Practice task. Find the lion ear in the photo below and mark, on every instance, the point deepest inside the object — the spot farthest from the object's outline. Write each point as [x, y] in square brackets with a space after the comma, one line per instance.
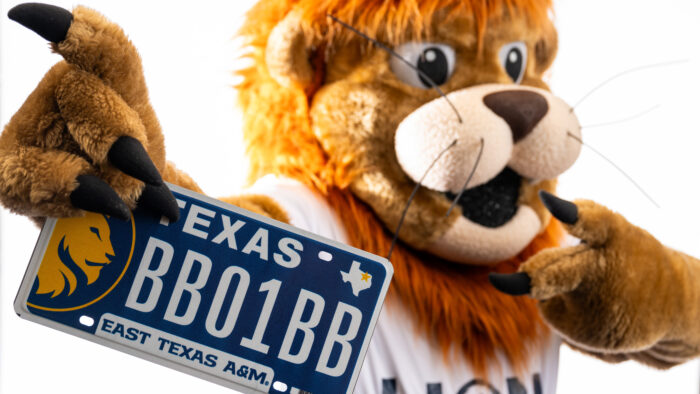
[287, 53]
[546, 47]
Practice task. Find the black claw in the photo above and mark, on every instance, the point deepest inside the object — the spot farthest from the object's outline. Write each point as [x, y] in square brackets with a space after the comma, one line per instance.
[565, 211]
[128, 155]
[513, 284]
[160, 200]
[48, 21]
[94, 195]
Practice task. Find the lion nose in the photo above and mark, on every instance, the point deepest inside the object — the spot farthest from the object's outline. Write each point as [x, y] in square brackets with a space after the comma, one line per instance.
[521, 109]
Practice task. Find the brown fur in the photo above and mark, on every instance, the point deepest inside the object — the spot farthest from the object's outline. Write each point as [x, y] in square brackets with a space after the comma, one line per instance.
[99, 47]
[620, 294]
[67, 125]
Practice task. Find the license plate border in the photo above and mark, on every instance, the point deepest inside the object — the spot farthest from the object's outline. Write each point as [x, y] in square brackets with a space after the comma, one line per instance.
[21, 309]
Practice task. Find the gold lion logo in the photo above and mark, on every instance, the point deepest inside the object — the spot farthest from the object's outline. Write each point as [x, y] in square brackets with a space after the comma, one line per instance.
[77, 243]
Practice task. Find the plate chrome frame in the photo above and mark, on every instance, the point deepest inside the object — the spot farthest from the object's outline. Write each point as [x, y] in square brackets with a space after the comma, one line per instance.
[20, 302]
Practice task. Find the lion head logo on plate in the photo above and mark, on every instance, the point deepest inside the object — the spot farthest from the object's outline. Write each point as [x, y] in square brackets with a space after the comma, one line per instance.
[84, 259]
[80, 245]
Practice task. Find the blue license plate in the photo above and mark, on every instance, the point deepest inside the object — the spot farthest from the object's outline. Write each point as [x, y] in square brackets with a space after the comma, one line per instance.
[223, 294]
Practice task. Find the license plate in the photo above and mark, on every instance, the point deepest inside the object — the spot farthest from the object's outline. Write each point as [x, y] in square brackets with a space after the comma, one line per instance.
[223, 294]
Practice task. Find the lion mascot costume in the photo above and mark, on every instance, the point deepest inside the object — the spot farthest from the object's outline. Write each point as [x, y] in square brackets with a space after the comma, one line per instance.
[418, 130]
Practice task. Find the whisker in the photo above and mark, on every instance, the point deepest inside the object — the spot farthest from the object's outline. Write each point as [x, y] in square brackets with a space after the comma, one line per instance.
[616, 167]
[396, 55]
[413, 195]
[618, 75]
[469, 178]
[639, 115]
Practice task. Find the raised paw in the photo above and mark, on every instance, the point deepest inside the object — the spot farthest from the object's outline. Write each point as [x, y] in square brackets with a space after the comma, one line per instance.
[549, 273]
[556, 271]
[87, 137]
[605, 293]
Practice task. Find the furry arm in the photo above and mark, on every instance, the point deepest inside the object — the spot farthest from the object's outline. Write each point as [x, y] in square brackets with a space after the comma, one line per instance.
[87, 137]
[620, 294]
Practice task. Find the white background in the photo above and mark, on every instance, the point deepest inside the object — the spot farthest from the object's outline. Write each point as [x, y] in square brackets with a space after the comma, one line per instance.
[188, 55]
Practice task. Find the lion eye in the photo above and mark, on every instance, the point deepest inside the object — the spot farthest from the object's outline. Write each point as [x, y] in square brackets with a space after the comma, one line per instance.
[97, 232]
[513, 59]
[436, 63]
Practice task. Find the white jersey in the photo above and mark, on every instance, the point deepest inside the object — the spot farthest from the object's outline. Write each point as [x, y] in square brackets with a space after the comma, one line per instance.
[399, 359]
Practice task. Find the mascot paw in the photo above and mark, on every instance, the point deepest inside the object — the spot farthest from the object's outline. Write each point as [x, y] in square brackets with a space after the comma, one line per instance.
[87, 137]
[557, 271]
[598, 294]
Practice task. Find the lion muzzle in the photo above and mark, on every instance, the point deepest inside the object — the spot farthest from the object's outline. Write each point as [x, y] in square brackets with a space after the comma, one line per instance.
[523, 128]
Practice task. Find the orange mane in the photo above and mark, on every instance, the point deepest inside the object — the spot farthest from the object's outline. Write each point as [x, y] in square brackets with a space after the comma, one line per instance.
[454, 303]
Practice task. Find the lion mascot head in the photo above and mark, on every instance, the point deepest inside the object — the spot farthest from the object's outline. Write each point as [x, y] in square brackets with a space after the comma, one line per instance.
[427, 122]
